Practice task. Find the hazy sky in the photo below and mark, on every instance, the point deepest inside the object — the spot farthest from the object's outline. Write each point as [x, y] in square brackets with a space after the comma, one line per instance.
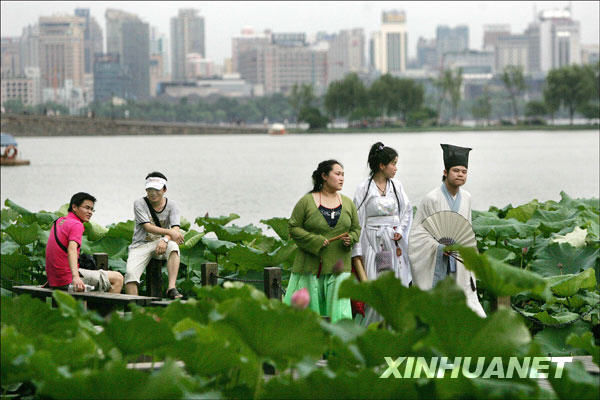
[223, 20]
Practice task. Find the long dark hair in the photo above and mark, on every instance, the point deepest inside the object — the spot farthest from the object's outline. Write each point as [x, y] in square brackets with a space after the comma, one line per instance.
[324, 167]
[380, 154]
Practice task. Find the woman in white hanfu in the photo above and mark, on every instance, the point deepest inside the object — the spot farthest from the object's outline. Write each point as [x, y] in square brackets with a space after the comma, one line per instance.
[385, 216]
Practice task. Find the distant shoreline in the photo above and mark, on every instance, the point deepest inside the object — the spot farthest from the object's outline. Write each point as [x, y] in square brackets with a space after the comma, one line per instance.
[457, 129]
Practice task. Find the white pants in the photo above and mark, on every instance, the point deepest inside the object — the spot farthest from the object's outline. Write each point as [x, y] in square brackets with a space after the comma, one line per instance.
[140, 256]
[96, 278]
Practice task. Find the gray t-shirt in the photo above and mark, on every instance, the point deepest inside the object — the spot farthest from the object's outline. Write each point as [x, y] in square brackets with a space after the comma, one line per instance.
[168, 218]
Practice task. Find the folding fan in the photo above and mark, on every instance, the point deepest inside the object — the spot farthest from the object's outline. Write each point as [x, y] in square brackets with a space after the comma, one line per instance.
[448, 228]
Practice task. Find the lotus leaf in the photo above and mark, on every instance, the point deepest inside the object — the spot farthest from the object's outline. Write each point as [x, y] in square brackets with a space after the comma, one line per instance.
[223, 220]
[324, 384]
[568, 285]
[115, 247]
[217, 246]
[576, 238]
[184, 224]
[138, 334]
[553, 221]
[247, 258]
[279, 225]
[7, 217]
[195, 310]
[14, 206]
[192, 238]
[14, 265]
[500, 254]
[374, 345]
[563, 317]
[23, 234]
[8, 247]
[501, 228]
[568, 202]
[562, 258]
[523, 213]
[575, 382]
[94, 231]
[500, 278]
[585, 341]
[234, 233]
[123, 230]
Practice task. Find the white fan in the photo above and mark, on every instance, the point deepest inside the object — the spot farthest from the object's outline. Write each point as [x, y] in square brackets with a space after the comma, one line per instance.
[448, 228]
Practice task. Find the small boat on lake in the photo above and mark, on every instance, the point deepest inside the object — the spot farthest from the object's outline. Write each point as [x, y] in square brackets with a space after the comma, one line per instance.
[277, 129]
[9, 151]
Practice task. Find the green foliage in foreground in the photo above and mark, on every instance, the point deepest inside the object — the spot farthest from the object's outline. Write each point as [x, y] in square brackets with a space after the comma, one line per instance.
[544, 255]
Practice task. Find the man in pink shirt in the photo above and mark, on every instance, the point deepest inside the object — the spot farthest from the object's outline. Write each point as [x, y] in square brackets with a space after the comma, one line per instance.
[62, 251]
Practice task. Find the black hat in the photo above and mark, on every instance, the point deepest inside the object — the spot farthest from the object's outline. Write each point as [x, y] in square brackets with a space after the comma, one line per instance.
[454, 155]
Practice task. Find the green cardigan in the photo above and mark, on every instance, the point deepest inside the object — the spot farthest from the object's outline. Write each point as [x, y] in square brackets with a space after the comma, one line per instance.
[309, 230]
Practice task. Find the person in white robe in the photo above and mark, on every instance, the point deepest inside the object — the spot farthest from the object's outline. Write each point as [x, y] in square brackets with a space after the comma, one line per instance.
[429, 263]
[385, 216]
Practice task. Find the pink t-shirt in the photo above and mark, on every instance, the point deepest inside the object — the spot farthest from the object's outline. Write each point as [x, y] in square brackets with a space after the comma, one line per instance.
[57, 262]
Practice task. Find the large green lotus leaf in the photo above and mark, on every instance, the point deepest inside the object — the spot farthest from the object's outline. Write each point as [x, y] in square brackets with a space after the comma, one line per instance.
[191, 239]
[233, 290]
[568, 202]
[14, 265]
[247, 258]
[117, 264]
[575, 382]
[501, 228]
[115, 247]
[94, 231]
[504, 389]
[562, 258]
[374, 345]
[499, 278]
[138, 334]
[23, 234]
[591, 222]
[500, 254]
[553, 221]
[217, 246]
[387, 295]
[15, 354]
[234, 233]
[324, 384]
[33, 317]
[14, 206]
[523, 213]
[568, 285]
[266, 327]
[184, 224]
[123, 230]
[560, 318]
[195, 310]
[223, 220]
[114, 380]
[476, 214]
[585, 342]
[194, 257]
[204, 350]
[279, 225]
[7, 217]
[552, 340]
[456, 330]
[45, 218]
[8, 247]
[63, 210]
[78, 352]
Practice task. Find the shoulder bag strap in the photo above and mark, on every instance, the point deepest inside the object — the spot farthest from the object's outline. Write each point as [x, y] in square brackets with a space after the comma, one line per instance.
[62, 246]
[152, 212]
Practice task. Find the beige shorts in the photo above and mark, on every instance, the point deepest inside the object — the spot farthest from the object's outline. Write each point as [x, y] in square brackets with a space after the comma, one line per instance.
[139, 257]
[96, 278]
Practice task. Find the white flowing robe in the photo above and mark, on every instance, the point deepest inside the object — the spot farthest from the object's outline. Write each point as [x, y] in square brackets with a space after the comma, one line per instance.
[380, 218]
[424, 251]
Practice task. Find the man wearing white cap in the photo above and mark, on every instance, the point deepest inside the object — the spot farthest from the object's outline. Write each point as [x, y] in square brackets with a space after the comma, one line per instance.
[156, 235]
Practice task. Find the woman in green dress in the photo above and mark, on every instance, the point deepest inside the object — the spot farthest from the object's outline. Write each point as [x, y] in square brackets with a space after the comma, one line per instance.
[320, 264]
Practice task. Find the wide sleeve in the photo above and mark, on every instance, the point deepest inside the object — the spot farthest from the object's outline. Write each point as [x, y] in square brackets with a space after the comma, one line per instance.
[304, 239]
[359, 195]
[423, 249]
[355, 226]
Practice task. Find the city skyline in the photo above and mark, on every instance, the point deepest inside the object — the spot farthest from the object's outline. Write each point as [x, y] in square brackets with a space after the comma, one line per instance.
[224, 20]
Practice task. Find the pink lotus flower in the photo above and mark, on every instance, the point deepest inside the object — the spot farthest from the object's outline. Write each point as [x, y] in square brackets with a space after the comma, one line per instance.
[338, 268]
[525, 249]
[301, 299]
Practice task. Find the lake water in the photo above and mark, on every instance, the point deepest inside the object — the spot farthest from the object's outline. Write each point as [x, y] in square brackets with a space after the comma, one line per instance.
[261, 176]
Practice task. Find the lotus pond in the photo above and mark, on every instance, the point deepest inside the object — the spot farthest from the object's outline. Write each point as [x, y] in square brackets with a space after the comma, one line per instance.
[543, 255]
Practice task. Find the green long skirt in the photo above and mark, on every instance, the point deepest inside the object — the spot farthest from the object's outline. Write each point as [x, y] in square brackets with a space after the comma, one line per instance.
[323, 293]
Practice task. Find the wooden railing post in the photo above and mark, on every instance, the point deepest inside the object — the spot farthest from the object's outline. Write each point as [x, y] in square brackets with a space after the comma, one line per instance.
[101, 260]
[272, 281]
[502, 302]
[154, 278]
[209, 272]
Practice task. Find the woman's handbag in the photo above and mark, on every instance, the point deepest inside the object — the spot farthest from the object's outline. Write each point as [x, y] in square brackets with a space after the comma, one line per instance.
[384, 260]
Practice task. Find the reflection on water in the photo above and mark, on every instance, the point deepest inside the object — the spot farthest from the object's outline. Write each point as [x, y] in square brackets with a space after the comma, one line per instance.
[260, 176]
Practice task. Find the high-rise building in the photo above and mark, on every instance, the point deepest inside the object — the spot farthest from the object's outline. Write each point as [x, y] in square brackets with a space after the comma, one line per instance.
[513, 50]
[92, 36]
[111, 78]
[346, 54]
[559, 39]
[30, 46]
[61, 56]
[159, 45]
[590, 53]
[426, 53]
[390, 44]
[187, 36]
[451, 40]
[248, 41]
[129, 37]
[491, 33]
[11, 57]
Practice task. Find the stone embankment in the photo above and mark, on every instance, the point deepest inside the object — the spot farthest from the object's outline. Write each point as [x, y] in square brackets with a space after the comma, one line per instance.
[38, 125]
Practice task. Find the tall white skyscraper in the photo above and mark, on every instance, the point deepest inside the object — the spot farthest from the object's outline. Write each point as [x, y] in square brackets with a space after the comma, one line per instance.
[187, 36]
[390, 44]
